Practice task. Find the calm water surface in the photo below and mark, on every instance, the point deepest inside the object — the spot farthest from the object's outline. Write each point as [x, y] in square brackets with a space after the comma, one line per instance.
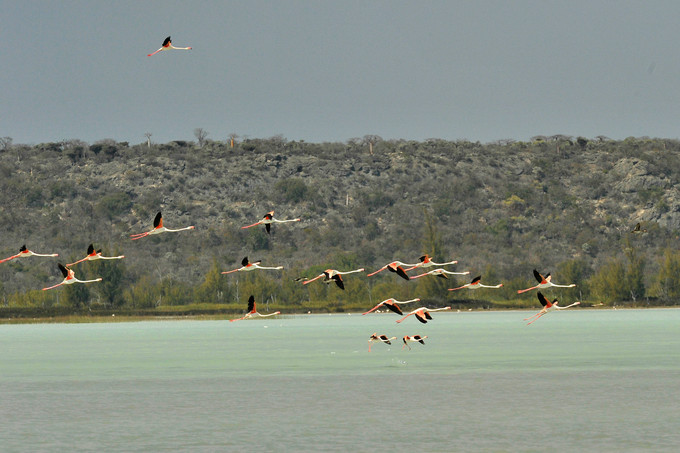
[596, 380]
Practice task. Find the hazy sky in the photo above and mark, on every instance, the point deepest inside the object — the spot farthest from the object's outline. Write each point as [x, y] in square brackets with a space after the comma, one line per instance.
[333, 70]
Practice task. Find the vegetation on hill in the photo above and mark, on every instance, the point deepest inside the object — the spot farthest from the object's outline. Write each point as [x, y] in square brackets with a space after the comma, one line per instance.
[559, 205]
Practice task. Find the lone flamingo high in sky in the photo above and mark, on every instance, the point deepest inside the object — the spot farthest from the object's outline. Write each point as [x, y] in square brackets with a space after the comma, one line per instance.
[252, 311]
[381, 338]
[391, 304]
[93, 254]
[476, 284]
[70, 278]
[414, 338]
[167, 45]
[422, 314]
[267, 221]
[547, 306]
[440, 273]
[331, 275]
[396, 267]
[247, 266]
[158, 228]
[24, 253]
[544, 282]
[426, 261]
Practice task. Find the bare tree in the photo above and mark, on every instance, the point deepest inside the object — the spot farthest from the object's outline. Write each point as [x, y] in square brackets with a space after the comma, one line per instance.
[148, 139]
[371, 140]
[200, 135]
[5, 143]
[232, 139]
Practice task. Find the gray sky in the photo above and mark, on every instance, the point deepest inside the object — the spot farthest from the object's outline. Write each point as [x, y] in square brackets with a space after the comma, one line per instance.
[333, 70]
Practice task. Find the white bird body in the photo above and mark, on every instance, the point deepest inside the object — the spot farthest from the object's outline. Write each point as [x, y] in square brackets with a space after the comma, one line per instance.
[70, 278]
[391, 304]
[422, 314]
[252, 311]
[167, 45]
[93, 255]
[332, 275]
[548, 306]
[158, 228]
[247, 266]
[544, 282]
[25, 253]
[426, 261]
[476, 284]
[441, 273]
[379, 338]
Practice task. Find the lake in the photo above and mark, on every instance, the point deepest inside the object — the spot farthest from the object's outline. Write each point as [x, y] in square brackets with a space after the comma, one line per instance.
[598, 380]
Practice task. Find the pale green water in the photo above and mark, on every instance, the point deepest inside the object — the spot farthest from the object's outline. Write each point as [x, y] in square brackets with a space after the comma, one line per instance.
[577, 380]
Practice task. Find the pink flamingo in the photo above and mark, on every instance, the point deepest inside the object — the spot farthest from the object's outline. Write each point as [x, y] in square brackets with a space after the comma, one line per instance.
[544, 282]
[394, 266]
[381, 338]
[25, 253]
[331, 275]
[267, 221]
[391, 304]
[93, 255]
[547, 306]
[476, 284]
[248, 266]
[423, 314]
[70, 278]
[441, 273]
[167, 45]
[158, 228]
[414, 338]
[252, 311]
[426, 261]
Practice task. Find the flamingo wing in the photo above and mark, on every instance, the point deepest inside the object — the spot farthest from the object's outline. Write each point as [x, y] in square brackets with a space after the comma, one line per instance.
[539, 277]
[395, 308]
[476, 279]
[244, 261]
[158, 220]
[400, 272]
[268, 228]
[338, 281]
[541, 298]
[63, 270]
[251, 304]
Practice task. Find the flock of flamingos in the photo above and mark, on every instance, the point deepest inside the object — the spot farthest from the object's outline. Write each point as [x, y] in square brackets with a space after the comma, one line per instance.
[422, 314]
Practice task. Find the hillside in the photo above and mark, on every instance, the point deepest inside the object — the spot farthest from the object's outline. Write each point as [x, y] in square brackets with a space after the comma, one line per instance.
[561, 206]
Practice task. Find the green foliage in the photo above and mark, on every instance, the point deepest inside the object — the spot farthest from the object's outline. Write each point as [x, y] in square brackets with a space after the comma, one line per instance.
[667, 285]
[291, 190]
[113, 205]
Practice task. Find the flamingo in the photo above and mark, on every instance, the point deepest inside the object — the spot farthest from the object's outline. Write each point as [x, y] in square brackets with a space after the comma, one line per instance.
[547, 306]
[24, 253]
[331, 275]
[248, 266]
[441, 273]
[638, 229]
[476, 284]
[158, 228]
[414, 338]
[426, 261]
[544, 282]
[267, 221]
[423, 313]
[93, 254]
[70, 278]
[396, 267]
[252, 311]
[381, 338]
[167, 45]
[391, 304]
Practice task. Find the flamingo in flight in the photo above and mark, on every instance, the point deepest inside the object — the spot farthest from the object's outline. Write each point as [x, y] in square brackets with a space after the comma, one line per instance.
[70, 278]
[331, 275]
[158, 228]
[167, 45]
[267, 221]
[380, 338]
[423, 314]
[544, 282]
[414, 338]
[24, 253]
[395, 266]
[248, 266]
[440, 273]
[638, 229]
[547, 306]
[93, 255]
[476, 284]
[426, 261]
[252, 311]
[391, 304]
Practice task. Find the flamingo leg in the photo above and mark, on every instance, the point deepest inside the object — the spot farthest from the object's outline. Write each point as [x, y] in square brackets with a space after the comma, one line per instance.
[520, 291]
[249, 226]
[52, 287]
[379, 270]
[139, 235]
[315, 278]
[7, 259]
[537, 317]
[530, 317]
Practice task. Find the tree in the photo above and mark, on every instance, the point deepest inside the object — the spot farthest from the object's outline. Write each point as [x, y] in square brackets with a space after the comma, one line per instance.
[148, 139]
[232, 139]
[5, 143]
[668, 277]
[200, 135]
[371, 140]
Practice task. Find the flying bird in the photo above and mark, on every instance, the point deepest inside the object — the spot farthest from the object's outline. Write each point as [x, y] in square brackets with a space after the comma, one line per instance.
[93, 255]
[158, 228]
[638, 229]
[391, 304]
[395, 266]
[267, 221]
[547, 307]
[423, 314]
[247, 266]
[476, 284]
[414, 338]
[440, 273]
[426, 261]
[167, 45]
[331, 275]
[70, 278]
[24, 253]
[544, 282]
[252, 311]
[381, 338]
